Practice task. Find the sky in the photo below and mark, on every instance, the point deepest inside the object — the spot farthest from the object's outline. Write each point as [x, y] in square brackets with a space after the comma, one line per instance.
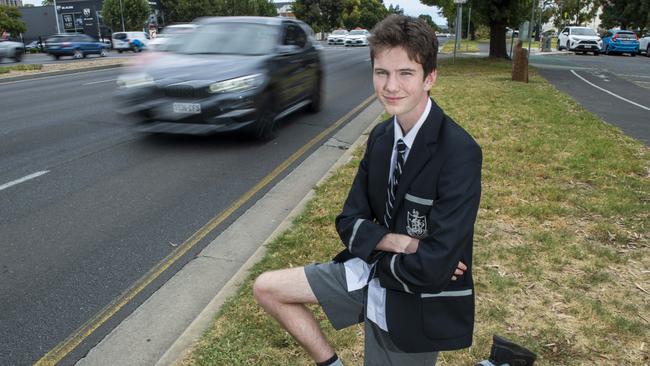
[411, 7]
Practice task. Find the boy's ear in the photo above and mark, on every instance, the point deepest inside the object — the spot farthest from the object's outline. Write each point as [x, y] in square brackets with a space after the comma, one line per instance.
[430, 79]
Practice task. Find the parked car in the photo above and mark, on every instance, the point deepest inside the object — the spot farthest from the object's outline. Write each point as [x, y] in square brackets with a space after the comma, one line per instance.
[620, 41]
[33, 46]
[232, 73]
[75, 45]
[337, 37]
[644, 45]
[357, 37]
[11, 49]
[171, 37]
[579, 39]
[130, 41]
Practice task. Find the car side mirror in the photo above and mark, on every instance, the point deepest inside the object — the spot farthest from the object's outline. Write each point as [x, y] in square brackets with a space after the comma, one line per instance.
[565, 33]
[287, 49]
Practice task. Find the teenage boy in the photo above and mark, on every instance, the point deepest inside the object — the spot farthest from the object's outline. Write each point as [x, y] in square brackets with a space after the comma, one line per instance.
[407, 224]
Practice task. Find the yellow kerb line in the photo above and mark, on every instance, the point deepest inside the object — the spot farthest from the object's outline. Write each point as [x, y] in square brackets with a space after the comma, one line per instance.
[61, 350]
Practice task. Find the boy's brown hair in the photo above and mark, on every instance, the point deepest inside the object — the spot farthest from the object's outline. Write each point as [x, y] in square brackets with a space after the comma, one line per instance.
[413, 34]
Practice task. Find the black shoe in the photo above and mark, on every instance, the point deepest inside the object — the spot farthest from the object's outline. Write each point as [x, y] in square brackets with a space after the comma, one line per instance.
[505, 352]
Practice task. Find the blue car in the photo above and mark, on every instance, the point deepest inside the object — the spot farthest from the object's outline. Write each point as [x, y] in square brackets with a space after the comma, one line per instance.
[620, 41]
[75, 45]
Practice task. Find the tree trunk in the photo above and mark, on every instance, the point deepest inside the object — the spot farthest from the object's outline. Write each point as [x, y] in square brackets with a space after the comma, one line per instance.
[498, 40]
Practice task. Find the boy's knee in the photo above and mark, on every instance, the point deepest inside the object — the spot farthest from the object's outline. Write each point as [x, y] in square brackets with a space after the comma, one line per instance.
[262, 286]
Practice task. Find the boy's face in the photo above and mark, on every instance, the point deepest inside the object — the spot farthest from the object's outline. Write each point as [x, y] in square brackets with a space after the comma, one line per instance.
[400, 84]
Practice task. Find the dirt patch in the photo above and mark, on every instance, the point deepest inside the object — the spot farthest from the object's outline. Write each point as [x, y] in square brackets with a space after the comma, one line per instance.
[80, 65]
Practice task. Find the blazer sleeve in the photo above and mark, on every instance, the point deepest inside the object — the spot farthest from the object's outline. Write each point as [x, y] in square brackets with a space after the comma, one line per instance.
[356, 224]
[452, 219]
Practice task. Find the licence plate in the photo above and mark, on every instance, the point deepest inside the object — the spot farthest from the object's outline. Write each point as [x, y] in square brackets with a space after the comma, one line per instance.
[191, 108]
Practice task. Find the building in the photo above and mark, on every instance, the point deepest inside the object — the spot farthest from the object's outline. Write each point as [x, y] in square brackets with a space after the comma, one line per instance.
[14, 3]
[284, 9]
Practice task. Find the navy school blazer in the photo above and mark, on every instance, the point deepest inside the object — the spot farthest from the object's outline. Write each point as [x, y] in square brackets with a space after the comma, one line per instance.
[437, 202]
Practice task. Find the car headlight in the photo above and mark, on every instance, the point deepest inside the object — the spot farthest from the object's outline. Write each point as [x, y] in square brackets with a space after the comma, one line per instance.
[239, 84]
[134, 80]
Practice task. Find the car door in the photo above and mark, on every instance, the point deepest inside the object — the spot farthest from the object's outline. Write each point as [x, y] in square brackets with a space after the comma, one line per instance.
[607, 39]
[289, 64]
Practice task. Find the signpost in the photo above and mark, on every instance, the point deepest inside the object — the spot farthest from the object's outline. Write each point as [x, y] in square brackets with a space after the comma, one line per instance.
[458, 25]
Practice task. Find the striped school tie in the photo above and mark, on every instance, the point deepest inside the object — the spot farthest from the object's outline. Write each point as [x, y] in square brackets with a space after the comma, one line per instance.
[392, 184]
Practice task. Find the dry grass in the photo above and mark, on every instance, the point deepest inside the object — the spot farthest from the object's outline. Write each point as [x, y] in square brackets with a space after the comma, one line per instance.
[562, 262]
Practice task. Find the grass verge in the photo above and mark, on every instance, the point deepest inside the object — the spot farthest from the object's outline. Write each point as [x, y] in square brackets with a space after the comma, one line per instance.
[28, 67]
[465, 46]
[562, 262]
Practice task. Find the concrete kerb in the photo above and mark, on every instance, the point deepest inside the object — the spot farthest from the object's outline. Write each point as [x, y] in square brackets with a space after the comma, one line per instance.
[56, 73]
[184, 344]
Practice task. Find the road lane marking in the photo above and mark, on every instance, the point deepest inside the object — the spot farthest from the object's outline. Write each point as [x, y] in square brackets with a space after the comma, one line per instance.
[23, 179]
[56, 354]
[609, 92]
[99, 82]
[56, 76]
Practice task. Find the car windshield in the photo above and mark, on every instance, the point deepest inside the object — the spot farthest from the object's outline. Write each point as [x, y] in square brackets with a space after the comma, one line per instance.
[583, 32]
[625, 35]
[339, 32]
[232, 38]
[357, 32]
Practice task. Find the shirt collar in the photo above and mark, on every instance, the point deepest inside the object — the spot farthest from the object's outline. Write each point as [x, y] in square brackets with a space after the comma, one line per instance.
[410, 136]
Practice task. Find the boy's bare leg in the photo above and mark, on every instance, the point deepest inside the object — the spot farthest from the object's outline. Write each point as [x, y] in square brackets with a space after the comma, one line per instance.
[283, 294]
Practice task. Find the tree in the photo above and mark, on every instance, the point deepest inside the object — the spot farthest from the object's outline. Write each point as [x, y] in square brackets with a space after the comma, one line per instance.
[496, 14]
[134, 12]
[627, 14]
[321, 15]
[395, 10]
[427, 18]
[573, 12]
[10, 21]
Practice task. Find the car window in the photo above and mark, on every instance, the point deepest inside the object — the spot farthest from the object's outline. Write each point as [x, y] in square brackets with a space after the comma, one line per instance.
[339, 32]
[294, 35]
[232, 38]
[565, 30]
[625, 35]
[583, 32]
[119, 36]
[357, 32]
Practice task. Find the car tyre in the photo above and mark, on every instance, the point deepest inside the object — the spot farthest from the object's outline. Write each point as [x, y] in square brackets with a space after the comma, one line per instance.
[647, 51]
[596, 53]
[18, 55]
[77, 54]
[56, 57]
[633, 54]
[567, 46]
[266, 127]
[559, 46]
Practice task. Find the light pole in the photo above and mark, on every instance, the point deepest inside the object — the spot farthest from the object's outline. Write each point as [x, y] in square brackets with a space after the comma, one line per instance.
[56, 16]
[122, 15]
[458, 25]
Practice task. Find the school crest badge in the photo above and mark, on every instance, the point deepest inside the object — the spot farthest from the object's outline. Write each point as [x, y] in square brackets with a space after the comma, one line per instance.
[416, 224]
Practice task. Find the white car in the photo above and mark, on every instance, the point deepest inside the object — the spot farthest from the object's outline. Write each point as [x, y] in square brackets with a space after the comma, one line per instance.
[357, 37]
[644, 45]
[579, 39]
[337, 37]
[10, 49]
[130, 41]
[170, 37]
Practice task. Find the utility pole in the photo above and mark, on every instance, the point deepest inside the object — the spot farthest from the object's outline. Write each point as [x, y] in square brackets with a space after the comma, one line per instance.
[469, 20]
[56, 16]
[122, 16]
[458, 25]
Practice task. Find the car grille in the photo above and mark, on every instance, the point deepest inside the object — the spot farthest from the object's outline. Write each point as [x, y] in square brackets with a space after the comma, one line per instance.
[185, 91]
[588, 42]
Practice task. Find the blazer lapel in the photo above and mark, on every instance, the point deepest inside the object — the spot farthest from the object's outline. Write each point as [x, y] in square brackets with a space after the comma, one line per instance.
[423, 149]
[379, 167]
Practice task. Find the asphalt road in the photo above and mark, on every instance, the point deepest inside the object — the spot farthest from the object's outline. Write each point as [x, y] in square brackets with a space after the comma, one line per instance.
[614, 87]
[88, 206]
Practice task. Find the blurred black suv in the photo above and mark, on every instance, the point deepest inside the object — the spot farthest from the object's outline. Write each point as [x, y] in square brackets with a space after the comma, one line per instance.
[231, 73]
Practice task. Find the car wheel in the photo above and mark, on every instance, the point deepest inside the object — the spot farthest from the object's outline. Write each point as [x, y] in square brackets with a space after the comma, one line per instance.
[596, 53]
[103, 53]
[633, 54]
[56, 57]
[567, 46]
[647, 51]
[607, 50]
[18, 56]
[77, 54]
[559, 46]
[316, 97]
[266, 127]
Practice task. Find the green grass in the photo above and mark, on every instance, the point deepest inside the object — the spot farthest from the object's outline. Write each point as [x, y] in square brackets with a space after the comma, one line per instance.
[561, 243]
[465, 46]
[29, 67]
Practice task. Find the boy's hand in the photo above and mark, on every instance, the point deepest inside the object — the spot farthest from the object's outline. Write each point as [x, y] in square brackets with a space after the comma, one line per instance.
[460, 270]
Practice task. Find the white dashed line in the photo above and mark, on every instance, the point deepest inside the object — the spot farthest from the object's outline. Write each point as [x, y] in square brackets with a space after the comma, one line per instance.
[98, 82]
[609, 92]
[23, 179]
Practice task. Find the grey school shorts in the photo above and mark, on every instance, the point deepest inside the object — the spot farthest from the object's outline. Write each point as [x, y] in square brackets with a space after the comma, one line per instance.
[344, 309]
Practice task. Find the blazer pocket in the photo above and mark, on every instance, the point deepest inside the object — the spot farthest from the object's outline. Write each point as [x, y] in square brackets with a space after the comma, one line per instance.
[448, 314]
[417, 210]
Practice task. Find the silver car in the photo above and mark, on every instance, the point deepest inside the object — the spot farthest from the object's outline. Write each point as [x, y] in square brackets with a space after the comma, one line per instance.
[10, 49]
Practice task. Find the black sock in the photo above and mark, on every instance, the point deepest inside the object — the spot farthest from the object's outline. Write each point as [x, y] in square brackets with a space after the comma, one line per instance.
[328, 362]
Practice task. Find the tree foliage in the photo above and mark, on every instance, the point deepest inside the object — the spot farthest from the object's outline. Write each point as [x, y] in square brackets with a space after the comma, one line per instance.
[427, 18]
[10, 21]
[627, 14]
[135, 12]
[326, 15]
[573, 12]
[187, 10]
